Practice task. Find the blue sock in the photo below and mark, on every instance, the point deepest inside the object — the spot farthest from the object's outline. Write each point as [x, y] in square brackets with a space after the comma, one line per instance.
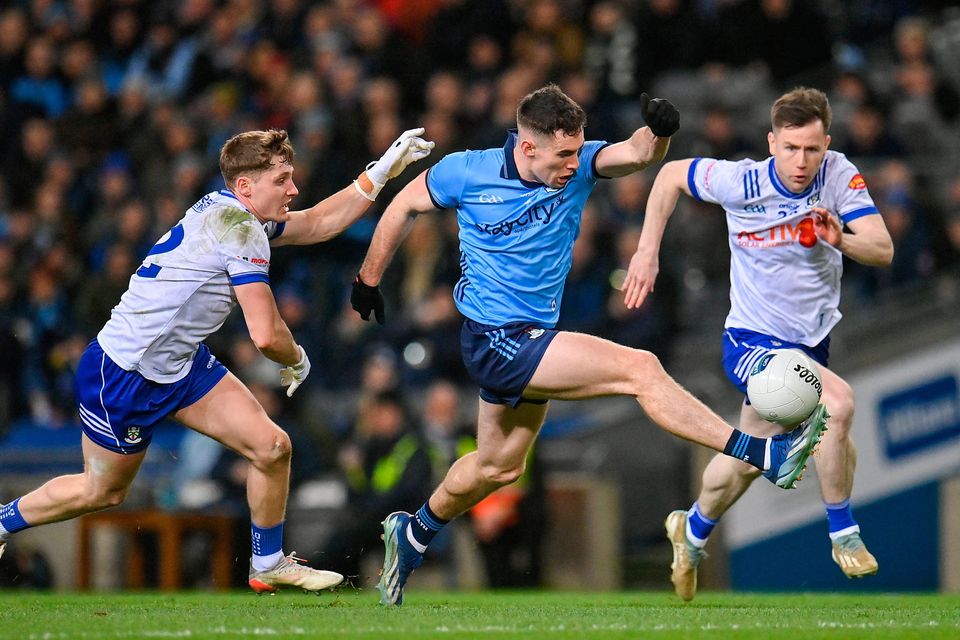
[267, 546]
[10, 519]
[699, 526]
[747, 448]
[424, 526]
[840, 517]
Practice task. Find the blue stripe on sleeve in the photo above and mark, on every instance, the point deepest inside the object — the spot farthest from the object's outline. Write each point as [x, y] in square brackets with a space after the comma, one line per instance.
[691, 182]
[857, 213]
[247, 278]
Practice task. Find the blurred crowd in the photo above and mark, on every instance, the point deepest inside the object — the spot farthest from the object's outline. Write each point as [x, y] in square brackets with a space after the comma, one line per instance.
[114, 111]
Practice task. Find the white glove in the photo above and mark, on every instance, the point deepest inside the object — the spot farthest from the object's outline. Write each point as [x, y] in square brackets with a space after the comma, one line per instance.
[409, 147]
[295, 374]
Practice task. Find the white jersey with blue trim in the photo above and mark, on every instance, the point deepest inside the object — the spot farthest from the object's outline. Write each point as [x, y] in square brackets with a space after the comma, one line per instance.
[783, 282]
[516, 237]
[183, 291]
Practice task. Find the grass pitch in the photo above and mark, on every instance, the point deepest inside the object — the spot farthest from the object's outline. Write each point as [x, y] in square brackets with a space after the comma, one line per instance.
[498, 615]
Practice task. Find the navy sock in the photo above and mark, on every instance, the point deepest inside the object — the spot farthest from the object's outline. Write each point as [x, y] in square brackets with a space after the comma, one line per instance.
[747, 448]
[10, 519]
[840, 516]
[424, 526]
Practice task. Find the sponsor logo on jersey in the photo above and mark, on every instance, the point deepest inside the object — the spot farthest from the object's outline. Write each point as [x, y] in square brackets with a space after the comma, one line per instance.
[857, 183]
[538, 215]
[257, 261]
[133, 435]
[780, 235]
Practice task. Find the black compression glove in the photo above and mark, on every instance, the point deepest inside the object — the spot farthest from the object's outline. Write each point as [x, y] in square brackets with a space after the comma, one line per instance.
[660, 115]
[365, 299]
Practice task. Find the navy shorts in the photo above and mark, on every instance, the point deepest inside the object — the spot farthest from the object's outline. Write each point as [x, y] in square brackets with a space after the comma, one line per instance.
[742, 349]
[503, 359]
[119, 409]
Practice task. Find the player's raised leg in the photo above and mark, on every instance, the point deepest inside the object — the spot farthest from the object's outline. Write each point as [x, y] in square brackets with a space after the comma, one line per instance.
[577, 366]
[836, 463]
[231, 415]
[504, 436]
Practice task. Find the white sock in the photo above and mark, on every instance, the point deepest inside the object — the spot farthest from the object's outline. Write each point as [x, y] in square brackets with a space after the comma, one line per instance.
[844, 532]
[262, 563]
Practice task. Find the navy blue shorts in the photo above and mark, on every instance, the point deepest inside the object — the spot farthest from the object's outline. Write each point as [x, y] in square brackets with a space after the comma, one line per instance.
[742, 349]
[119, 409]
[503, 359]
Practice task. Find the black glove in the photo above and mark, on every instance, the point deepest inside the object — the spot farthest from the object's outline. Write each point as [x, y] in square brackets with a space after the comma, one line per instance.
[365, 299]
[660, 115]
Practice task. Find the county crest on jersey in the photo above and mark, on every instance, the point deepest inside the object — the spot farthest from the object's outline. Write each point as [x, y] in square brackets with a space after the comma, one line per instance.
[783, 282]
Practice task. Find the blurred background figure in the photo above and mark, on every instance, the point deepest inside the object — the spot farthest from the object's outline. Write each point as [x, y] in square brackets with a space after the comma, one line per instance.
[387, 467]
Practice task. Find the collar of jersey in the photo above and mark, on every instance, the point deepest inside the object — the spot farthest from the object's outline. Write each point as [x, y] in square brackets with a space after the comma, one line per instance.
[229, 194]
[782, 188]
[509, 170]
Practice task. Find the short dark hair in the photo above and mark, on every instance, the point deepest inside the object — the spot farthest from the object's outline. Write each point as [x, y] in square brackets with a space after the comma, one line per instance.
[801, 106]
[252, 152]
[548, 110]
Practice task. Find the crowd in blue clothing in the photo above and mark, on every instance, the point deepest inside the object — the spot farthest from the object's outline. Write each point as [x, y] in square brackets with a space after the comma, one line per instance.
[113, 115]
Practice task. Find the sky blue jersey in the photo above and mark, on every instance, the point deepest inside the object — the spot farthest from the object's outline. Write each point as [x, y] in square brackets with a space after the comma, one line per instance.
[516, 237]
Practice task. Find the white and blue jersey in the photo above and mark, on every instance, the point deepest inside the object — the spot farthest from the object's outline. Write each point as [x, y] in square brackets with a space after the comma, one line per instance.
[783, 282]
[183, 291]
[516, 237]
[149, 359]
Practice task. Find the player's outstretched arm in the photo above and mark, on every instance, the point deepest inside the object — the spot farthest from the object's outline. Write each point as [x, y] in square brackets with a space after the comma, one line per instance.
[869, 244]
[645, 263]
[331, 216]
[393, 227]
[648, 145]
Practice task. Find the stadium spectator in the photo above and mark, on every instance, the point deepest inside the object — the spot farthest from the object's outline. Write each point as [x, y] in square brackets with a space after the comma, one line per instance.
[800, 166]
[515, 265]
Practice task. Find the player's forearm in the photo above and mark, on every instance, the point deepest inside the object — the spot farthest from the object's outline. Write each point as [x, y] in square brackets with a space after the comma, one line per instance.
[869, 251]
[660, 205]
[279, 346]
[391, 230]
[331, 216]
[639, 151]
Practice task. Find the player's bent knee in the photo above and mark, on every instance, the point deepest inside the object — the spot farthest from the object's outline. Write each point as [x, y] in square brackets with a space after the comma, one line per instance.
[499, 476]
[840, 404]
[273, 451]
[644, 369]
[104, 498]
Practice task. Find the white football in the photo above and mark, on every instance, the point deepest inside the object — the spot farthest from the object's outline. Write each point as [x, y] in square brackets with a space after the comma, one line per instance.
[784, 386]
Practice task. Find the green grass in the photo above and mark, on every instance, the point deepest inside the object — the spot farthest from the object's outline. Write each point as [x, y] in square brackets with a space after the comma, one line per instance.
[529, 615]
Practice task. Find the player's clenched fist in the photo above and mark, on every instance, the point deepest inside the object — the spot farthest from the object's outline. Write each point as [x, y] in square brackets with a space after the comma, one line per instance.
[660, 115]
[365, 299]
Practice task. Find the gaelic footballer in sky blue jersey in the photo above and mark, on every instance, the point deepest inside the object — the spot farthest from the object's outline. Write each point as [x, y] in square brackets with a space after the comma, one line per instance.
[516, 237]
